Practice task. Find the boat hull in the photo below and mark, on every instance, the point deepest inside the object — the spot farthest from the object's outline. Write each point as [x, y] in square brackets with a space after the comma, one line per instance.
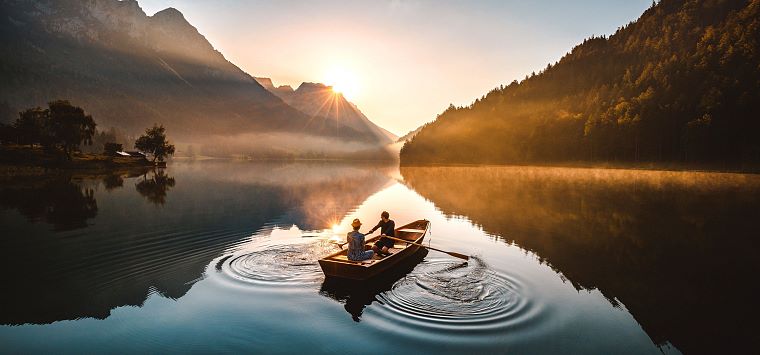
[361, 271]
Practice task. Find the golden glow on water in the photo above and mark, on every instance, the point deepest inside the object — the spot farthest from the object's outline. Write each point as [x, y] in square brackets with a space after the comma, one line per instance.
[335, 239]
[548, 246]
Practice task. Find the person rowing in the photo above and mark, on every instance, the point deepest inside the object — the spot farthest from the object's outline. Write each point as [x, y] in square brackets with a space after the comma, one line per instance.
[387, 228]
[356, 248]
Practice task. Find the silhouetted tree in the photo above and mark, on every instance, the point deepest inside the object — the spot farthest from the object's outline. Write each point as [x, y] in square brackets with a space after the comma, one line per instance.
[31, 125]
[154, 142]
[8, 134]
[696, 137]
[69, 126]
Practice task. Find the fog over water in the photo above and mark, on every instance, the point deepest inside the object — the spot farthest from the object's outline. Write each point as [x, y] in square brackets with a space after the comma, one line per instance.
[284, 145]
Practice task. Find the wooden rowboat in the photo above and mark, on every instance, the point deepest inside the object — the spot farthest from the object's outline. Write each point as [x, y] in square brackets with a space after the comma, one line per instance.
[338, 265]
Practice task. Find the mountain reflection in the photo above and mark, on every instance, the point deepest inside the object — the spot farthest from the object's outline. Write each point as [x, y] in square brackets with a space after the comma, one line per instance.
[678, 249]
[131, 250]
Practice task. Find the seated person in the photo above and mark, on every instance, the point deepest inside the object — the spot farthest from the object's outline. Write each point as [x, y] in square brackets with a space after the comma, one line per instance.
[356, 249]
[387, 228]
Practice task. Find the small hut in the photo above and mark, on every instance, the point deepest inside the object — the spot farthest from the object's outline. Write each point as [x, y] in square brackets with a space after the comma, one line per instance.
[132, 154]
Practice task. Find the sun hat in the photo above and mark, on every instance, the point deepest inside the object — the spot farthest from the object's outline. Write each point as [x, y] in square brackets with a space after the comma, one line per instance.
[356, 223]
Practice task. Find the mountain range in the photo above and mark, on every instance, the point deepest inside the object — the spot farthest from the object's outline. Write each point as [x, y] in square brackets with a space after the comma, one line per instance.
[679, 85]
[319, 100]
[130, 70]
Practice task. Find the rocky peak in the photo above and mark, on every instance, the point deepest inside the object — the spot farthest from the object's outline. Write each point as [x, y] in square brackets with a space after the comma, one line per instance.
[307, 87]
[285, 88]
[171, 21]
[265, 82]
[277, 90]
[169, 33]
[318, 100]
[122, 16]
[171, 16]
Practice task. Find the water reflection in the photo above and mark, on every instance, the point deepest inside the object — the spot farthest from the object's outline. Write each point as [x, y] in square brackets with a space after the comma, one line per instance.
[679, 250]
[67, 200]
[56, 200]
[115, 179]
[228, 261]
[357, 295]
[156, 187]
[454, 295]
[277, 261]
[119, 250]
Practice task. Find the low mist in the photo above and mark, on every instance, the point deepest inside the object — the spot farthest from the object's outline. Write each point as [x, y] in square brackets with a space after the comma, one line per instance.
[281, 145]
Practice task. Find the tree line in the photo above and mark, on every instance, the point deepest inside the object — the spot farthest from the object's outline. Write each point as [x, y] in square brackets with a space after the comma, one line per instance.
[65, 128]
[680, 84]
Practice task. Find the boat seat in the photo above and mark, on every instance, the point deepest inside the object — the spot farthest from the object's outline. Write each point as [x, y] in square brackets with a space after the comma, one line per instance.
[396, 248]
[412, 230]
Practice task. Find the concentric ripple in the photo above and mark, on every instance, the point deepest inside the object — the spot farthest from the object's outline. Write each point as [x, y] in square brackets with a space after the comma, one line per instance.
[277, 263]
[447, 293]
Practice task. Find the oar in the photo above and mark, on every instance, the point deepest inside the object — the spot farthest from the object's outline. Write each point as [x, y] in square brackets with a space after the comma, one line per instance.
[456, 255]
[340, 245]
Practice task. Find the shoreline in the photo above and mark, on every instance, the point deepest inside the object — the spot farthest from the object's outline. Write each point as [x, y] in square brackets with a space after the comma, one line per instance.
[674, 167]
[36, 161]
[18, 160]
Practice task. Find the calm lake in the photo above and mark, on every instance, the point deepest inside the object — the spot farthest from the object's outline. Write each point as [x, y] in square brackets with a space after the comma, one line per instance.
[214, 256]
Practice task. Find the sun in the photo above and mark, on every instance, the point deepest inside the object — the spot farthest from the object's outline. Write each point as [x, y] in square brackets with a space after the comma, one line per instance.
[343, 81]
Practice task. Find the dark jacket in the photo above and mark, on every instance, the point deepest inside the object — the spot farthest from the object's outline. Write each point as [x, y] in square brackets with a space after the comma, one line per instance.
[387, 228]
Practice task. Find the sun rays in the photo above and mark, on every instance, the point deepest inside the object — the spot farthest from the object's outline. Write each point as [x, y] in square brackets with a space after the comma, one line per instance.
[343, 81]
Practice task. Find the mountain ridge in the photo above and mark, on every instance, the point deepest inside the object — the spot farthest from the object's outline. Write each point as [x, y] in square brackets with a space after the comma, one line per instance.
[319, 100]
[130, 70]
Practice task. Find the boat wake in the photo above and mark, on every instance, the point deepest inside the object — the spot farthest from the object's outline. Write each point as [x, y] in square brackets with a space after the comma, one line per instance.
[451, 294]
[280, 263]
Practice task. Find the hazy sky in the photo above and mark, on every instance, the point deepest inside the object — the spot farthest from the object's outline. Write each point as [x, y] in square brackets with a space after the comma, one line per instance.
[401, 62]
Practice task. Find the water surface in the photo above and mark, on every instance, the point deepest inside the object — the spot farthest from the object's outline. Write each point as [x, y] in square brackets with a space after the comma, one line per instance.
[221, 256]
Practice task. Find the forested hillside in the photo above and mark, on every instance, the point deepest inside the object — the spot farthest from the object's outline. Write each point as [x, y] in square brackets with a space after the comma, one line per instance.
[680, 84]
